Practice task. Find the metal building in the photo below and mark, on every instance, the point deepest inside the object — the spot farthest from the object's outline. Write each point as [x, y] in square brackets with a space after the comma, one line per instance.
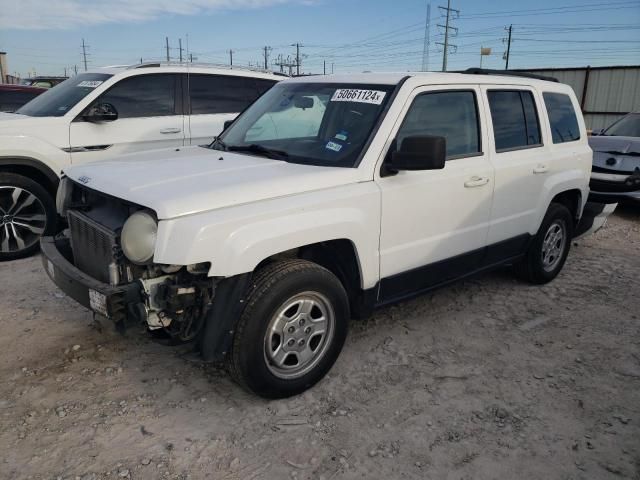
[605, 93]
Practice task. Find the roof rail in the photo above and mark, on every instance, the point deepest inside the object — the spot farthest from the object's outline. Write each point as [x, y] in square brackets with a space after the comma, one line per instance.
[157, 64]
[486, 71]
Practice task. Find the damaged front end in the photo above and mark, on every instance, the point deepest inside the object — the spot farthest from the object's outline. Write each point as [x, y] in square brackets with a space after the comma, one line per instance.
[615, 175]
[87, 261]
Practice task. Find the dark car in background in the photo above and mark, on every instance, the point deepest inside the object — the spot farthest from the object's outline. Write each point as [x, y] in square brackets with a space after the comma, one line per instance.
[12, 97]
[42, 82]
[615, 176]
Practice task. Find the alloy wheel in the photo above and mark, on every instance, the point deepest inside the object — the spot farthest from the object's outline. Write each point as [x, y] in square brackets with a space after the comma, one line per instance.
[22, 219]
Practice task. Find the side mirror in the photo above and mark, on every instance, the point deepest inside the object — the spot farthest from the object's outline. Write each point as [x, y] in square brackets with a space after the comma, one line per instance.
[420, 152]
[226, 124]
[100, 112]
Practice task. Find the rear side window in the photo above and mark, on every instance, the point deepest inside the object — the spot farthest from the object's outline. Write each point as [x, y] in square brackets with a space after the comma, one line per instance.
[562, 117]
[221, 94]
[143, 96]
[515, 119]
[452, 115]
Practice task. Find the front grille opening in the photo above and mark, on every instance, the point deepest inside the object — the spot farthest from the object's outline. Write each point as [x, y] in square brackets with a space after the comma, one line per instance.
[93, 245]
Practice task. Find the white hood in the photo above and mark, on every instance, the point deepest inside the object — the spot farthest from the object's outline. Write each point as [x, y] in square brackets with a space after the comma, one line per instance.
[13, 123]
[176, 182]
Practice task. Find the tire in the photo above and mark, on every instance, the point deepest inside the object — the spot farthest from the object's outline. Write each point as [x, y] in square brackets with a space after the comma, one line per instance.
[27, 211]
[549, 248]
[278, 349]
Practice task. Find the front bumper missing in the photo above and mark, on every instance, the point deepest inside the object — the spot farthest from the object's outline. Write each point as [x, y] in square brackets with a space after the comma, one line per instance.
[104, 299]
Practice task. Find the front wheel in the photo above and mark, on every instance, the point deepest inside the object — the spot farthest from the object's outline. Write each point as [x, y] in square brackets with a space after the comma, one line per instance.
[550, 246]
[291, 331]
[27, 211]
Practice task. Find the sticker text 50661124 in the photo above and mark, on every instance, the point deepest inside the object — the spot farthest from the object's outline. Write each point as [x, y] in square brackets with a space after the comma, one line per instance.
[355, 95]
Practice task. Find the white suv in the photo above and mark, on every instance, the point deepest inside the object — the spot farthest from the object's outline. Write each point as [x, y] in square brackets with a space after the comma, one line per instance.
[102, 114]
[328, 197]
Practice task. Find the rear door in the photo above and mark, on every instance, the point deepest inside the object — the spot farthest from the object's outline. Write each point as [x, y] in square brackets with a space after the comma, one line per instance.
[521, 163]
[214, 99]
[149, 116]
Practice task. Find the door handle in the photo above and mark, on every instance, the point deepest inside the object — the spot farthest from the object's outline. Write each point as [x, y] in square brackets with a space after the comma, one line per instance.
[170, 130]
[541, 169]
[476, 181]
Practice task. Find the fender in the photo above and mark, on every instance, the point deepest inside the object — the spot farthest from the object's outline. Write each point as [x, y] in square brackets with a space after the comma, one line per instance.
[34, 152]
[558, 183]
[235, 240]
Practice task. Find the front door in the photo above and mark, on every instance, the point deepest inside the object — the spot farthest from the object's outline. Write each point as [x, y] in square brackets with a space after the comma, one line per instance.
[149, 117]
[435, 222]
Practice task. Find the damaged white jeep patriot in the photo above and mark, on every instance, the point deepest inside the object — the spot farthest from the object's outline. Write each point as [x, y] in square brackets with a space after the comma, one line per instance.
[326, 198]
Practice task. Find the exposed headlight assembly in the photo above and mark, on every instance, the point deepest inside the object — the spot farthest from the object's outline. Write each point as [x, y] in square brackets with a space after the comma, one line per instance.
[138, 237]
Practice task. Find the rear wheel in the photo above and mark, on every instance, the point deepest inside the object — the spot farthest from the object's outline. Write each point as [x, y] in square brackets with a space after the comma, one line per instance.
[550, 246]
[291, 331]
[27, 211]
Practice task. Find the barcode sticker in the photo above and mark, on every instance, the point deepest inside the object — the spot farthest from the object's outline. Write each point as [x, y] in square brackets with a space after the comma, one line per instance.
[89, 83]
[362, 96]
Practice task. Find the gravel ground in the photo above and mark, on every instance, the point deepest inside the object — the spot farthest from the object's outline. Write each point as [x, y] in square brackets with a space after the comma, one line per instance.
[489, 378]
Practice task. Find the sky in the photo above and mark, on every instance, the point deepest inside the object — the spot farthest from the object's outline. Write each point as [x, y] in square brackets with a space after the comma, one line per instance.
[45, 36]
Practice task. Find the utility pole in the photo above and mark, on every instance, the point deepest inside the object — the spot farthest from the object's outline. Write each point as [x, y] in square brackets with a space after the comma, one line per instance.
[425, 48]
[506, 55]
[75, 69]
[266, 57]
[332, 68]
[297, 45]
[84, 54]
[167, 47]
[324, 67]
[231, 57]
[447, 26]
[180, 48]
[191, 58]
[65, 70]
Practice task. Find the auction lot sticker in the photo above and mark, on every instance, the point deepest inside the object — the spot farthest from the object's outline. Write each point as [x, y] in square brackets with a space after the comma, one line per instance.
[89, 83]
[355, 95]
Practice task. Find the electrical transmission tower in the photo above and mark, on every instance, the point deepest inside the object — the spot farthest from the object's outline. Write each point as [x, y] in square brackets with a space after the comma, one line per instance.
[427, 41]
[447, 26]
[507, 40]
[84, 54]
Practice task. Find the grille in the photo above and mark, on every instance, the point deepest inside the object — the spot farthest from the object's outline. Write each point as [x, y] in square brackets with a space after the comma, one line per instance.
[93, 245]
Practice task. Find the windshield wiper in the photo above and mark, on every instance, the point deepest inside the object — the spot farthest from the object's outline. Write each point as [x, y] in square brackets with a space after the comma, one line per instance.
[260, 150]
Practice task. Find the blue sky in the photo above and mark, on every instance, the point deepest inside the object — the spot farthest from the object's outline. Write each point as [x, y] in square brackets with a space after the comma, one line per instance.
[355, 35]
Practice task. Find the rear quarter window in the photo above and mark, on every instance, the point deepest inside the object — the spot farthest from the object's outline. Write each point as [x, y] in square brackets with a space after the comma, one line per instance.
[562, 117]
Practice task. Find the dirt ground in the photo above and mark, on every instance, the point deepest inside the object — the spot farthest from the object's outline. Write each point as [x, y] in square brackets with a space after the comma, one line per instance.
[487, 379]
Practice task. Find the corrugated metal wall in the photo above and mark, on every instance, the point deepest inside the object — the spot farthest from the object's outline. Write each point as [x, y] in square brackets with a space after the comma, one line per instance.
[611, 91]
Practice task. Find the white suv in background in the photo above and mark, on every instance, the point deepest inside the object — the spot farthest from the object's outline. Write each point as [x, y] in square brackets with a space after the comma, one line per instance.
[328, 197]
[103, 114]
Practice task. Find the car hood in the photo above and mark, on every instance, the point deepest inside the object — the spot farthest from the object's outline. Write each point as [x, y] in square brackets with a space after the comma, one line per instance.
[604, 143]
[190, 180]
[620, 154]
[15, 124]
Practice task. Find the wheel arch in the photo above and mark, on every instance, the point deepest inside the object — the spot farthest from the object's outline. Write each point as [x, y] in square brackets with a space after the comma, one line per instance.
[33, 169]
[572, 199]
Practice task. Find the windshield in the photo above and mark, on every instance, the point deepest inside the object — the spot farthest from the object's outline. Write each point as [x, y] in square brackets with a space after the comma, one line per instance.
[314, 123]
[628, 126]
[60, 99]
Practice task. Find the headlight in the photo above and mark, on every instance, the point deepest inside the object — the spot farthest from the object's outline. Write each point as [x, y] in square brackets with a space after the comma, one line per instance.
[63, 196]
[138, 237]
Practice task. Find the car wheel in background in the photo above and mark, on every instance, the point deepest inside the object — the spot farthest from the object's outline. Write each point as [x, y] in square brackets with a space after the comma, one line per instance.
[27, 211]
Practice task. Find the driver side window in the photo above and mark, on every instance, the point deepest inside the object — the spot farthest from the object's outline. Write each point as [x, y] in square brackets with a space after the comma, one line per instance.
[143, 96]
[450, 114]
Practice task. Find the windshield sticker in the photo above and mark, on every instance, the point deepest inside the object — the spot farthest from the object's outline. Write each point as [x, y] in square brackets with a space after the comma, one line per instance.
[374, 97]
[89, 83]
[336, 147]
[341, 136]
